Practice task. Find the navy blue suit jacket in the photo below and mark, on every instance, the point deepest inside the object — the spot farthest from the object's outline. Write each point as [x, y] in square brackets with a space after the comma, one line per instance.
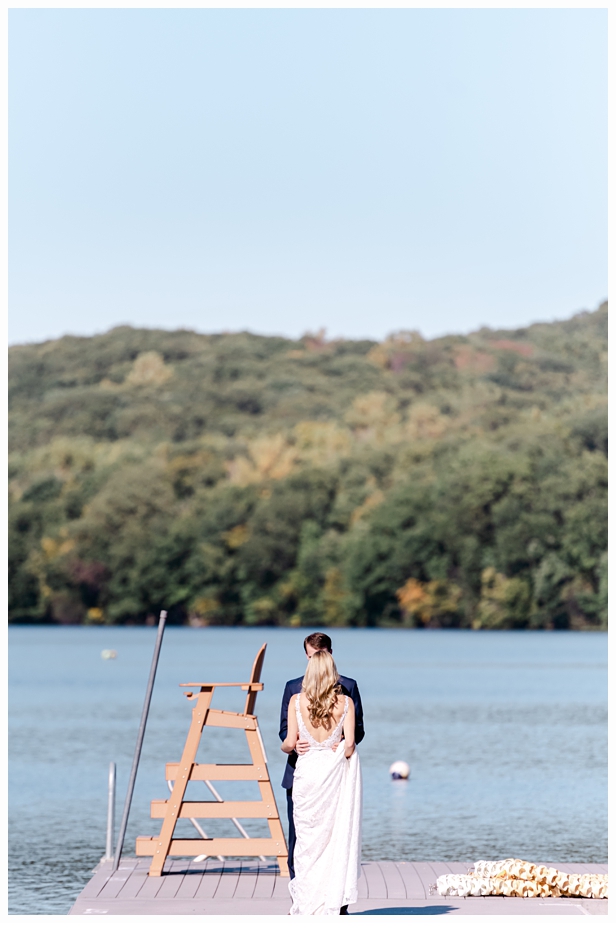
[349, 688]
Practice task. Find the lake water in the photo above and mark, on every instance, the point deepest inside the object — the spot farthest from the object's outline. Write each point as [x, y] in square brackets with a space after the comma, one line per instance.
[505, 734]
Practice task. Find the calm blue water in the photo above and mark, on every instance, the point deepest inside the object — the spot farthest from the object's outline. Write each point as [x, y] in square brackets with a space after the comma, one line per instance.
[505, 733]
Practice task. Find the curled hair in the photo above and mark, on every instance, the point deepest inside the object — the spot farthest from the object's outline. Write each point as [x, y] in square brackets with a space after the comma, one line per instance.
[321, 687]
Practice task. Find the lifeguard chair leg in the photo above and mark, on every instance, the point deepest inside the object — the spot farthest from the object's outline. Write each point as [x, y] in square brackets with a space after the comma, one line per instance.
[267, 795]
[189, 754]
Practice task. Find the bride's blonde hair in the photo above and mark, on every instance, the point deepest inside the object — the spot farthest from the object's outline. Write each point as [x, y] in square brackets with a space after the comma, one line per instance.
[320, 684]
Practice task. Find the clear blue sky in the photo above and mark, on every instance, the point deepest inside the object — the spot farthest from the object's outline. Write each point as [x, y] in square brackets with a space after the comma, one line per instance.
[285, 170]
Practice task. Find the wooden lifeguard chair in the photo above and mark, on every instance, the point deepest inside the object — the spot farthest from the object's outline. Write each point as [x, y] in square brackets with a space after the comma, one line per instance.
[174, 808]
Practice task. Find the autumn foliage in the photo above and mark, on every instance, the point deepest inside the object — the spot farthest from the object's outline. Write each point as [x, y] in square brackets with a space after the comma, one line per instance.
[240, 479]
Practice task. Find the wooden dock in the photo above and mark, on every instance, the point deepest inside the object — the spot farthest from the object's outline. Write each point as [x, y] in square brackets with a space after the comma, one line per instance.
[251, 887]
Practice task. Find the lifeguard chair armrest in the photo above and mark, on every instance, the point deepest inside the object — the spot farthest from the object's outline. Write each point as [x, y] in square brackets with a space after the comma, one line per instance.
[253, 687]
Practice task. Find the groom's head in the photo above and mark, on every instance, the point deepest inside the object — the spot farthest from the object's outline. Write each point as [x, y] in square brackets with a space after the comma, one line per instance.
[317, 641]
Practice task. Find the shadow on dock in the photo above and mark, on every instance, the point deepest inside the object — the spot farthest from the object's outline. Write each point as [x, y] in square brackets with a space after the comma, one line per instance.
[406, 911]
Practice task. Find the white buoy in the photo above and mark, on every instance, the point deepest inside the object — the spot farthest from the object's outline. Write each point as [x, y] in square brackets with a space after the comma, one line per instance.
[400, 770]
[109, 654]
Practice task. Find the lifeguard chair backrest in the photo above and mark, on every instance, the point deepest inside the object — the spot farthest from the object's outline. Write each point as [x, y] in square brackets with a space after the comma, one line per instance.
[257, 666]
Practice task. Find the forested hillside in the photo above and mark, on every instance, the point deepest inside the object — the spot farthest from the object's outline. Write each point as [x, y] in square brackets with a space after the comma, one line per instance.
[241, 479]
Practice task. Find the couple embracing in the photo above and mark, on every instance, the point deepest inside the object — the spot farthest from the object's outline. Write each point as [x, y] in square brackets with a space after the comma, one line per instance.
[321, 722]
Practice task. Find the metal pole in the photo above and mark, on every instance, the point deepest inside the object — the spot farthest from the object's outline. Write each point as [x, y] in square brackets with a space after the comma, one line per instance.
[110, 812]
[144, 718]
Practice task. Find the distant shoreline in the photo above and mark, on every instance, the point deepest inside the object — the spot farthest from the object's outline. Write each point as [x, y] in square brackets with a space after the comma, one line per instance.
[262, 627]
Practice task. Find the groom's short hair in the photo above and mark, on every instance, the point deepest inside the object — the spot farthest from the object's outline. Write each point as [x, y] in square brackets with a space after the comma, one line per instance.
[319, 641]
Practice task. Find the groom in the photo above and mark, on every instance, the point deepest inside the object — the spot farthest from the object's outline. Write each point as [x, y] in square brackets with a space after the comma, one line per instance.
[312, 643]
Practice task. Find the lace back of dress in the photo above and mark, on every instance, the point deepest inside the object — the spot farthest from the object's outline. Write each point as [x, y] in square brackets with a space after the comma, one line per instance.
[336, 734]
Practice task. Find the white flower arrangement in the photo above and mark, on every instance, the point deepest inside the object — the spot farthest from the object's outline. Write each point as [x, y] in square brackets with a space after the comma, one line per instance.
[514, 877]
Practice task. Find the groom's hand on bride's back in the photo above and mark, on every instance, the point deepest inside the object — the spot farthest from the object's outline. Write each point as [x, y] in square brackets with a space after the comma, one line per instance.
[302, 746]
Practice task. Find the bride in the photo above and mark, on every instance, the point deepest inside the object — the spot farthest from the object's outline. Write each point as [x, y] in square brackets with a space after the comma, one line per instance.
[326, 793]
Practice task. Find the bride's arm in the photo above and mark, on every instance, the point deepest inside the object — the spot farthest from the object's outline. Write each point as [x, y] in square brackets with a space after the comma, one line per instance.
[348, 728]
[290, 741]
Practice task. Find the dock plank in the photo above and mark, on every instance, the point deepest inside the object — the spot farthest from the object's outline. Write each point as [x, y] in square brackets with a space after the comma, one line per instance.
[228, 882]
[191, 881]
[377, 888]
[210, 881]
[415, 889]
[179, 865]
[170, 885]
[249, 871]
[458, 867]
[426, 874]
[114, 886]
[281, 888]
[150, 888]
[96, 884]
[442, 867]
[133, 885]
[393, 880]
[264, 886]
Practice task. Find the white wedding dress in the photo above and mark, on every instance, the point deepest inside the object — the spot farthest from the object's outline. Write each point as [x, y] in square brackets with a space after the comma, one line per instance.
[327, 815]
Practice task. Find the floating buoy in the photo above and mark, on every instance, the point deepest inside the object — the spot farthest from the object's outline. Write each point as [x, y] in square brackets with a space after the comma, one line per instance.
[109, 654]
[400, 770]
